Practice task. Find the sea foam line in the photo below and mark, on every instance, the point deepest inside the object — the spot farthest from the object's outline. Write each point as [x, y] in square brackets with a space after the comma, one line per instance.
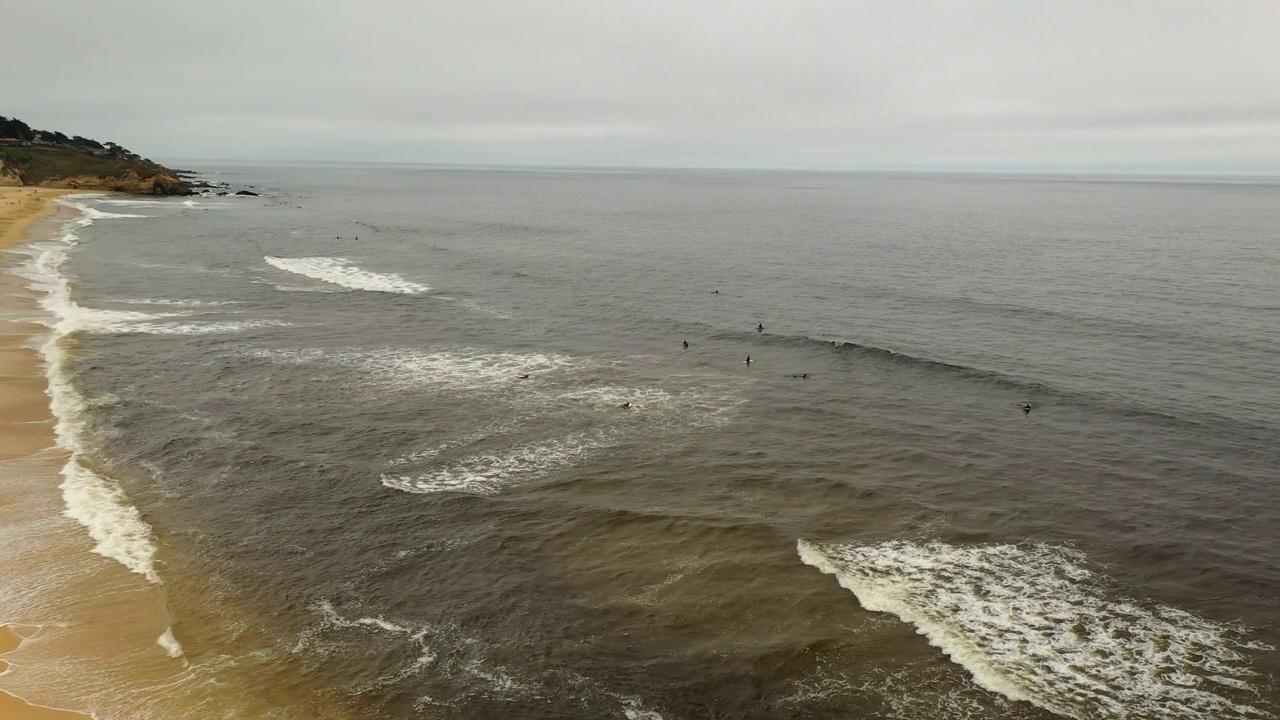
[461, 369]
[441, 647]
[489, 473]
[90, 498]
[341, 271]
[1034, 624]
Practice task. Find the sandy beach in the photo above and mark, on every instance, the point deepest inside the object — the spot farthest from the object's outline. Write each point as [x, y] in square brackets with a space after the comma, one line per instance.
[26, 426]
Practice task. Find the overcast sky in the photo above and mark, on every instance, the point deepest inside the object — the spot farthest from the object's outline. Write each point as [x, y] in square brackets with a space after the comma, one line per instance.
[1126, 85]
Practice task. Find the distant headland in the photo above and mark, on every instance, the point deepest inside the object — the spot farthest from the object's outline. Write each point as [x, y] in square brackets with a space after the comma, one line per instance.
[43, 158]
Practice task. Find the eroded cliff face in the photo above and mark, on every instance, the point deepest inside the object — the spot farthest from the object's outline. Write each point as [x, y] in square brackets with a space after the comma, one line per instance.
[149, 182]
[9, 178]
[131, 183]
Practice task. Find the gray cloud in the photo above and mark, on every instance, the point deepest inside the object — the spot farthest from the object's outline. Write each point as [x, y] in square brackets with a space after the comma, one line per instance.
[1157, 85]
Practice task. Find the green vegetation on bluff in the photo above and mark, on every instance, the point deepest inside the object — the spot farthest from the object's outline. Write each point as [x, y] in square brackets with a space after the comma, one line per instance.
[52, 159]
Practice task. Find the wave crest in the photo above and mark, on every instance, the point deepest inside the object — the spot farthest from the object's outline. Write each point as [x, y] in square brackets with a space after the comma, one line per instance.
[1034, 624]
[340, 271]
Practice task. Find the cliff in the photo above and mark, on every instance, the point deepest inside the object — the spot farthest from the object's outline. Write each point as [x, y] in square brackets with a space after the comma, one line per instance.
[64, 167]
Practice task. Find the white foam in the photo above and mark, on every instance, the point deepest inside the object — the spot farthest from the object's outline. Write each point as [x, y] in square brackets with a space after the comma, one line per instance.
[479, 460]
[46, 271]
[173, 303]
[91, 213]
[113, 522]
[304, 288]
[611, 396]
[490, 473]
[632, 709]
[133, 203]
[91, 499]
[341, 271]
[1034, 624]
[441, 647]
[463, 369]
[419, 456]
[194, 328]
[170, 644]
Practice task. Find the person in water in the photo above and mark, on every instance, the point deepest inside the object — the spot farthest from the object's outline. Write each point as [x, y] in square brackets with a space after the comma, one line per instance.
[1026, 408]
[686, 344]
[760, 327]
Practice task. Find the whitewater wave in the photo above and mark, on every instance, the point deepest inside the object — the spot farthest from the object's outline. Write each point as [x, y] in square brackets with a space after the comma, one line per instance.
[92, 499]
[559, 390]
[73, 317]
[1033, 623]
[490, 473]
[173, 303]
[170, 644]
[193, 328]
[91, 213]
[133, 203]
[340, 271]
[99, 504]
[461, 369]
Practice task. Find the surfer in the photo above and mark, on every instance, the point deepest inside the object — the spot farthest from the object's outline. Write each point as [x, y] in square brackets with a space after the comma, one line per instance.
[523, 377]
[760, 327]
[1026, 408]
[715, 292]
[748, 360]
[625, 406]
[686, 344]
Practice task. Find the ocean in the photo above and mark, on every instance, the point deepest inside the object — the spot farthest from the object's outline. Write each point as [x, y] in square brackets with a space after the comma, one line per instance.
[405, 442]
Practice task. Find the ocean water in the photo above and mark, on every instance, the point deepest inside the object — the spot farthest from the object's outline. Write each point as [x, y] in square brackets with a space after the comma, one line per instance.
[407, 442]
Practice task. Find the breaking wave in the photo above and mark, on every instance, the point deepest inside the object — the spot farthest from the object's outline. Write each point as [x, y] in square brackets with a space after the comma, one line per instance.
[1033, 623]
[341, 271]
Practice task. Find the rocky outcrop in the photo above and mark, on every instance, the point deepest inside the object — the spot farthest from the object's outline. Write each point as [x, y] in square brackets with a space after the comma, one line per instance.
[130, 183]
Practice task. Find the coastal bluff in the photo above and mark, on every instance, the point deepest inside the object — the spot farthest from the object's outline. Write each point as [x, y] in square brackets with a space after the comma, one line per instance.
[69, 168]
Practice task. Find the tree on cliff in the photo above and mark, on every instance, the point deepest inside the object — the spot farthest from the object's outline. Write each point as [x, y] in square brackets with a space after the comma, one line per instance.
[15, 128]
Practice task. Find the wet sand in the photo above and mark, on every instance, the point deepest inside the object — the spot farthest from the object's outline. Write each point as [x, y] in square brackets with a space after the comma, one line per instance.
[26, 430]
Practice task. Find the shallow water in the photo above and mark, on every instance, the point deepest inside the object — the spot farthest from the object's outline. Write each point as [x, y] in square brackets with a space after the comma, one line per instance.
[304, 415]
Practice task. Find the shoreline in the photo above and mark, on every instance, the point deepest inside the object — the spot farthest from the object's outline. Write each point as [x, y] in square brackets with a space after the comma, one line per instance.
[87, 625]
[27, 426]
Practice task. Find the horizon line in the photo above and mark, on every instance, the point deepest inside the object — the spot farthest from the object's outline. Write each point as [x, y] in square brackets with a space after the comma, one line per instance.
[517, 166]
